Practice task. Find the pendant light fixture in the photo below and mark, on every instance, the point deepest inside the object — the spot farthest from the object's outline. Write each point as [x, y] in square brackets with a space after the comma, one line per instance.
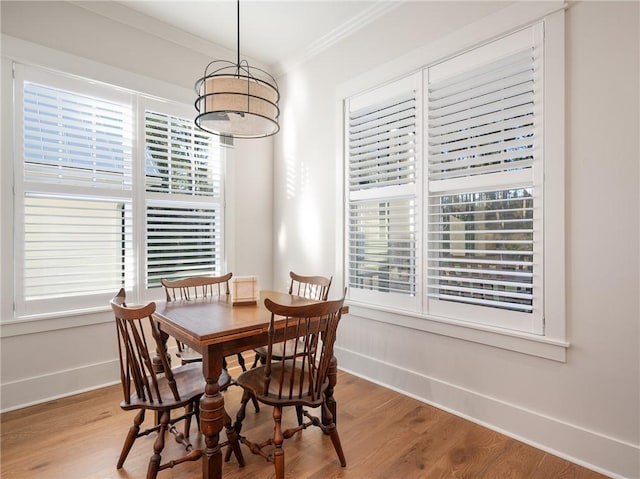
[236, 99]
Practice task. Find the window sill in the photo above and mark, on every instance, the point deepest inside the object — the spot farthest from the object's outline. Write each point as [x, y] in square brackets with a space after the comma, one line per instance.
[49, 322]
[530, 344]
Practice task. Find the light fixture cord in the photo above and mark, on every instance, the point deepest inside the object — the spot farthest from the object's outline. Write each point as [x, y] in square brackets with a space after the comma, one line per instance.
[238, 33]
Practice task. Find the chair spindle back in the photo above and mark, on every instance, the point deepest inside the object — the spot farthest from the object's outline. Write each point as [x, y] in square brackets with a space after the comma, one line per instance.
[312, 287]
[136, 365]
[196, 287]
[315, 327]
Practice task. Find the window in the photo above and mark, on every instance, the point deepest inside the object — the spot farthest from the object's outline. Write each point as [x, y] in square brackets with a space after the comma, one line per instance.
[484, 185]
[183, 210]
[445, 215]
[383, 194]
[99, 206]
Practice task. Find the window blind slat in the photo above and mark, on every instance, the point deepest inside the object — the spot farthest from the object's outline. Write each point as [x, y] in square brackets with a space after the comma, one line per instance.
[500, 140]
[488, 73]
[398, 134]
[74, 139]
[514, 306]
[403, 126]
[182, 241]
[467, 125]
[484, 99]
[507, 107]
[393, 104]
[386, 149]
[476, 132]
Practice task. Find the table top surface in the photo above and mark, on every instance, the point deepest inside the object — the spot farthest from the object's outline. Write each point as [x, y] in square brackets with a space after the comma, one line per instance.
[215, 319]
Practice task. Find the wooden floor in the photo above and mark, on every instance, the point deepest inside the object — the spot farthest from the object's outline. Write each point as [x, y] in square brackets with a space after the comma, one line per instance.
[384, 435]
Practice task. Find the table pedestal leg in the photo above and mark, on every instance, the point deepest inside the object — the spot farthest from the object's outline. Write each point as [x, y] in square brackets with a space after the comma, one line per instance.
[211, 414]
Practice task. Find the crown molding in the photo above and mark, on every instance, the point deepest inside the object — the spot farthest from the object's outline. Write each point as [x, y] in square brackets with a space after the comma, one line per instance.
[122, 14]
[379, 9]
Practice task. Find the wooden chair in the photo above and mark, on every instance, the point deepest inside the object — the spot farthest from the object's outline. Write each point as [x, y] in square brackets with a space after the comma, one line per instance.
[302, 381]
[144, 389]
[312, 287]
[199, 287]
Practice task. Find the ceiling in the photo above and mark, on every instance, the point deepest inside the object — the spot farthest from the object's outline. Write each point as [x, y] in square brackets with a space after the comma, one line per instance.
[272, 32]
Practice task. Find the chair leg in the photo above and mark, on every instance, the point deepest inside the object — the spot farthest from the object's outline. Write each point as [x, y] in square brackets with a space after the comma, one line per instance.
[196, 412]
[332, 431]
[255, 361]
[237, 426]
[246, 395]
[188, 411]
[234, 443]
[132, 435]
[258, 359]
[241, 361]
[299, 414]
[278, 438]
[335, 440]
[255, 402]
[158, 446]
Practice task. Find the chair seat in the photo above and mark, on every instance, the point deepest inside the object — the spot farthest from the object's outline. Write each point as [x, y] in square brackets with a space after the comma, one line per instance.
[191, 383]
[279, 350]
[253, 380]
[189, 355]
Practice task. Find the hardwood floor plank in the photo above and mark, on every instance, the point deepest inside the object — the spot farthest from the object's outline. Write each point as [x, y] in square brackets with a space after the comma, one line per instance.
[553, 466]
[384, 435]
[517, 461]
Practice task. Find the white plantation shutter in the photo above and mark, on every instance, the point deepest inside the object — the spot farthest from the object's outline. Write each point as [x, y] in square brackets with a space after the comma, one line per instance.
[484, 200]
[74, 139]
[476, 186]
[108, 195]
[382, 176]
[182, 242]
[381, 144]
[73, 192]
[382, 251]
[179, 157]
[183, 171]
[482, 122]
[481, 249]
[75, 246]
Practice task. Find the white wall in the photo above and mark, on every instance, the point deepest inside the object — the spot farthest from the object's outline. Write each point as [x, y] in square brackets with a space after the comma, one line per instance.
[42, 365]
[587, 408]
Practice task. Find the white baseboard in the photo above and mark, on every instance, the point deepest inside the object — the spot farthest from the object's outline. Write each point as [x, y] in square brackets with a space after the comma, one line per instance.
[48, 387]
[39, 389]
[593, 450]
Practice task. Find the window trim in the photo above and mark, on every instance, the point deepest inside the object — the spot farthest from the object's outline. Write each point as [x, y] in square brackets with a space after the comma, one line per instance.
[553, 344]
[526, 343]
[147, 198]
[31, 54]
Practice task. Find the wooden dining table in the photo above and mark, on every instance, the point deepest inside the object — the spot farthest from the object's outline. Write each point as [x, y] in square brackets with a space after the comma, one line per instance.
[216, 328]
